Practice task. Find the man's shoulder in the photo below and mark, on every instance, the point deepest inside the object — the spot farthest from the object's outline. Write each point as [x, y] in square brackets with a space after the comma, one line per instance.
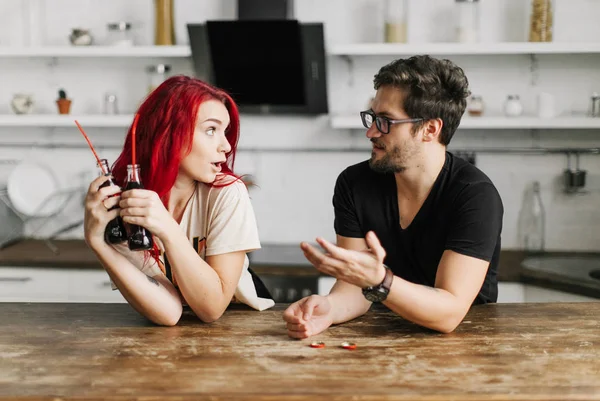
[467, 181]
[357, 170]
[358, 174]
[464, 174]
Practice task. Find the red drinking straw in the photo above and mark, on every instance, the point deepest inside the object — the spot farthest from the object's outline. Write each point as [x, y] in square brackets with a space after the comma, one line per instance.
[91, 147]
[135, 120]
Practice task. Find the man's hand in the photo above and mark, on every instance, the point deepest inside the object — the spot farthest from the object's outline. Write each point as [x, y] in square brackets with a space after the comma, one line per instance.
[307, 317]
[360, 268]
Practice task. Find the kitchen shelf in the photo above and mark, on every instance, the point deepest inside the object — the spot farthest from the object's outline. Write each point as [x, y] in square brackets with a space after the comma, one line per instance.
[353, 122]
[339, 122]
[96, 51]
[393, 49]
[55, 120]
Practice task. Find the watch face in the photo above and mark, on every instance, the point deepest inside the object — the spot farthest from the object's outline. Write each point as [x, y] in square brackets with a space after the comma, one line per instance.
[375, 294]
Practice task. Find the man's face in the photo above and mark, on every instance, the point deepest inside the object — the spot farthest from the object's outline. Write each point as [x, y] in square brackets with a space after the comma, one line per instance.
[396, 151]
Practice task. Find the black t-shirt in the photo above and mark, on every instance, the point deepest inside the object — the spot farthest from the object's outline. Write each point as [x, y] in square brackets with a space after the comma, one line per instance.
[463, 213]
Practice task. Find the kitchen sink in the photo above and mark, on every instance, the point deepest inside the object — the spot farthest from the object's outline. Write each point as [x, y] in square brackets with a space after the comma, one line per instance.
[580, 271]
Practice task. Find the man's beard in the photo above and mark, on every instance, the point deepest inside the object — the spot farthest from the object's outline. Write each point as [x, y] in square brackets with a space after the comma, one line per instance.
[390, 162]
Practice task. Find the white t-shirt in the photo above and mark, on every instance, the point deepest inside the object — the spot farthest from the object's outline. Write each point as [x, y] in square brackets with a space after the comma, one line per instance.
[216, 220]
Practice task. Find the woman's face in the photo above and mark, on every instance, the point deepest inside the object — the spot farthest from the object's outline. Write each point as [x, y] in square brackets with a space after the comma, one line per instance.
[209, 145]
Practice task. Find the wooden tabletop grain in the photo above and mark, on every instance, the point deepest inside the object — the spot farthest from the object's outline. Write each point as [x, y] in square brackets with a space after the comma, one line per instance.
[108, 351]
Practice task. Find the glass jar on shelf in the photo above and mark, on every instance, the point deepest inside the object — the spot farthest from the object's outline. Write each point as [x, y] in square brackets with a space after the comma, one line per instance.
[475, 106]
[395, 17]
[467, 21]
[541, 21]
[119, 34]
[157, 74]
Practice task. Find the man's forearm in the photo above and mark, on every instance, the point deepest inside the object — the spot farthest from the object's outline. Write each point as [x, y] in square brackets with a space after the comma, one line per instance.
[431, 307]
[145, 294]
[347, 302]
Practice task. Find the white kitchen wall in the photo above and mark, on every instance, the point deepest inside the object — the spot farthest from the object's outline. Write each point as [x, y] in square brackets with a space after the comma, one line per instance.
[293, 197]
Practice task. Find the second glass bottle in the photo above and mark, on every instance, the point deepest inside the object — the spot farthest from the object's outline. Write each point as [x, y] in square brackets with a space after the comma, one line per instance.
[138, 238]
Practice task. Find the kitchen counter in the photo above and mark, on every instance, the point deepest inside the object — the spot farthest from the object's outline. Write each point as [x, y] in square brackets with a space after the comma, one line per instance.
[287, 260]
[76, 254]
[271, 259]
[104, 351]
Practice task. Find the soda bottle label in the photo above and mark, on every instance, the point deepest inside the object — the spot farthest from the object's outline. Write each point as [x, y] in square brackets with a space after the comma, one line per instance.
[115, 232]
[138, 238]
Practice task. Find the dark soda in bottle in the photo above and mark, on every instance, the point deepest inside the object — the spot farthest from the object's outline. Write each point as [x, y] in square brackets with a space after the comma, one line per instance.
[115, 232]
[138, 238]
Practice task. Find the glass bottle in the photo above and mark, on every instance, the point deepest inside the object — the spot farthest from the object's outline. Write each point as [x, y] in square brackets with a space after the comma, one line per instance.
[34, 14]
[395, 21]
[541, 21]
[115, 232]
[467, 21]
[138, 238]
[532, 220]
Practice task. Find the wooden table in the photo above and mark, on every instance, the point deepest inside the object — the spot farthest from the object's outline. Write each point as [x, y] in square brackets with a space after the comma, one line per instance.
[99, 351]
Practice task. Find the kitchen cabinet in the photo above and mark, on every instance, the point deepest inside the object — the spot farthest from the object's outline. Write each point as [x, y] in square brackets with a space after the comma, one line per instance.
[92, 286]
[518, 292]
[18, 284]
[325, 284]
[25, 284]
[28, 284]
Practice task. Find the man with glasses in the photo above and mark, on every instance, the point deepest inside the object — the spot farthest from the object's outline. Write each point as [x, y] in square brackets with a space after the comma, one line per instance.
[418, 229]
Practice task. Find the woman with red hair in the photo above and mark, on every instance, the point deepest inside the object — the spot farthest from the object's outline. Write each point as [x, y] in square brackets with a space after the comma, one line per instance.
[198, 211]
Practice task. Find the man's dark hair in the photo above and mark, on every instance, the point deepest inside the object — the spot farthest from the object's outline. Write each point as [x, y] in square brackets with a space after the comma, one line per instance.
[433, 88]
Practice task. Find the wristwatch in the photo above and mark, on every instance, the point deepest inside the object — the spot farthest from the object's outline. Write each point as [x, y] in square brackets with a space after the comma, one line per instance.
[380, 292]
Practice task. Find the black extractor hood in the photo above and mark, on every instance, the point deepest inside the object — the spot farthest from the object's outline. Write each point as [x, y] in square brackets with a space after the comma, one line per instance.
[268, 65]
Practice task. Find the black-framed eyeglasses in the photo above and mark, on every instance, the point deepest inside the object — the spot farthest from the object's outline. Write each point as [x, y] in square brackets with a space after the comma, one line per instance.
[382, 123]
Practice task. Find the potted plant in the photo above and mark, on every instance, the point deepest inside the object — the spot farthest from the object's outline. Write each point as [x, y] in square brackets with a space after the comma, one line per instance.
[64, 104]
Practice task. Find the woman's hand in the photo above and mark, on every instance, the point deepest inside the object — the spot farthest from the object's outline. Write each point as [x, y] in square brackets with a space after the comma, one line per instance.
[144, 208]
[98, 203]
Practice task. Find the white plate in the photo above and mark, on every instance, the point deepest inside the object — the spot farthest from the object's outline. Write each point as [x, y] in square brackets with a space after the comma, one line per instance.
[30, 186]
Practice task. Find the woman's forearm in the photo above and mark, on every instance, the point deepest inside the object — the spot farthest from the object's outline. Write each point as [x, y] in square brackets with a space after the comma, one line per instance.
[156, 299]
[198, 282]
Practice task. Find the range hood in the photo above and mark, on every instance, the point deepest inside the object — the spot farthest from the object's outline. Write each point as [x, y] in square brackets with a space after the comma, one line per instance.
[269, 66]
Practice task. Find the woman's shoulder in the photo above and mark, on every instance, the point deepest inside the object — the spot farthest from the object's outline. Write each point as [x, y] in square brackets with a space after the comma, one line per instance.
[226, 187]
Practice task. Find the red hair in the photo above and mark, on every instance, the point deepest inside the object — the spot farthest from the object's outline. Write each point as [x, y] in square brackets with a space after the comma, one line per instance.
[165, 133]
